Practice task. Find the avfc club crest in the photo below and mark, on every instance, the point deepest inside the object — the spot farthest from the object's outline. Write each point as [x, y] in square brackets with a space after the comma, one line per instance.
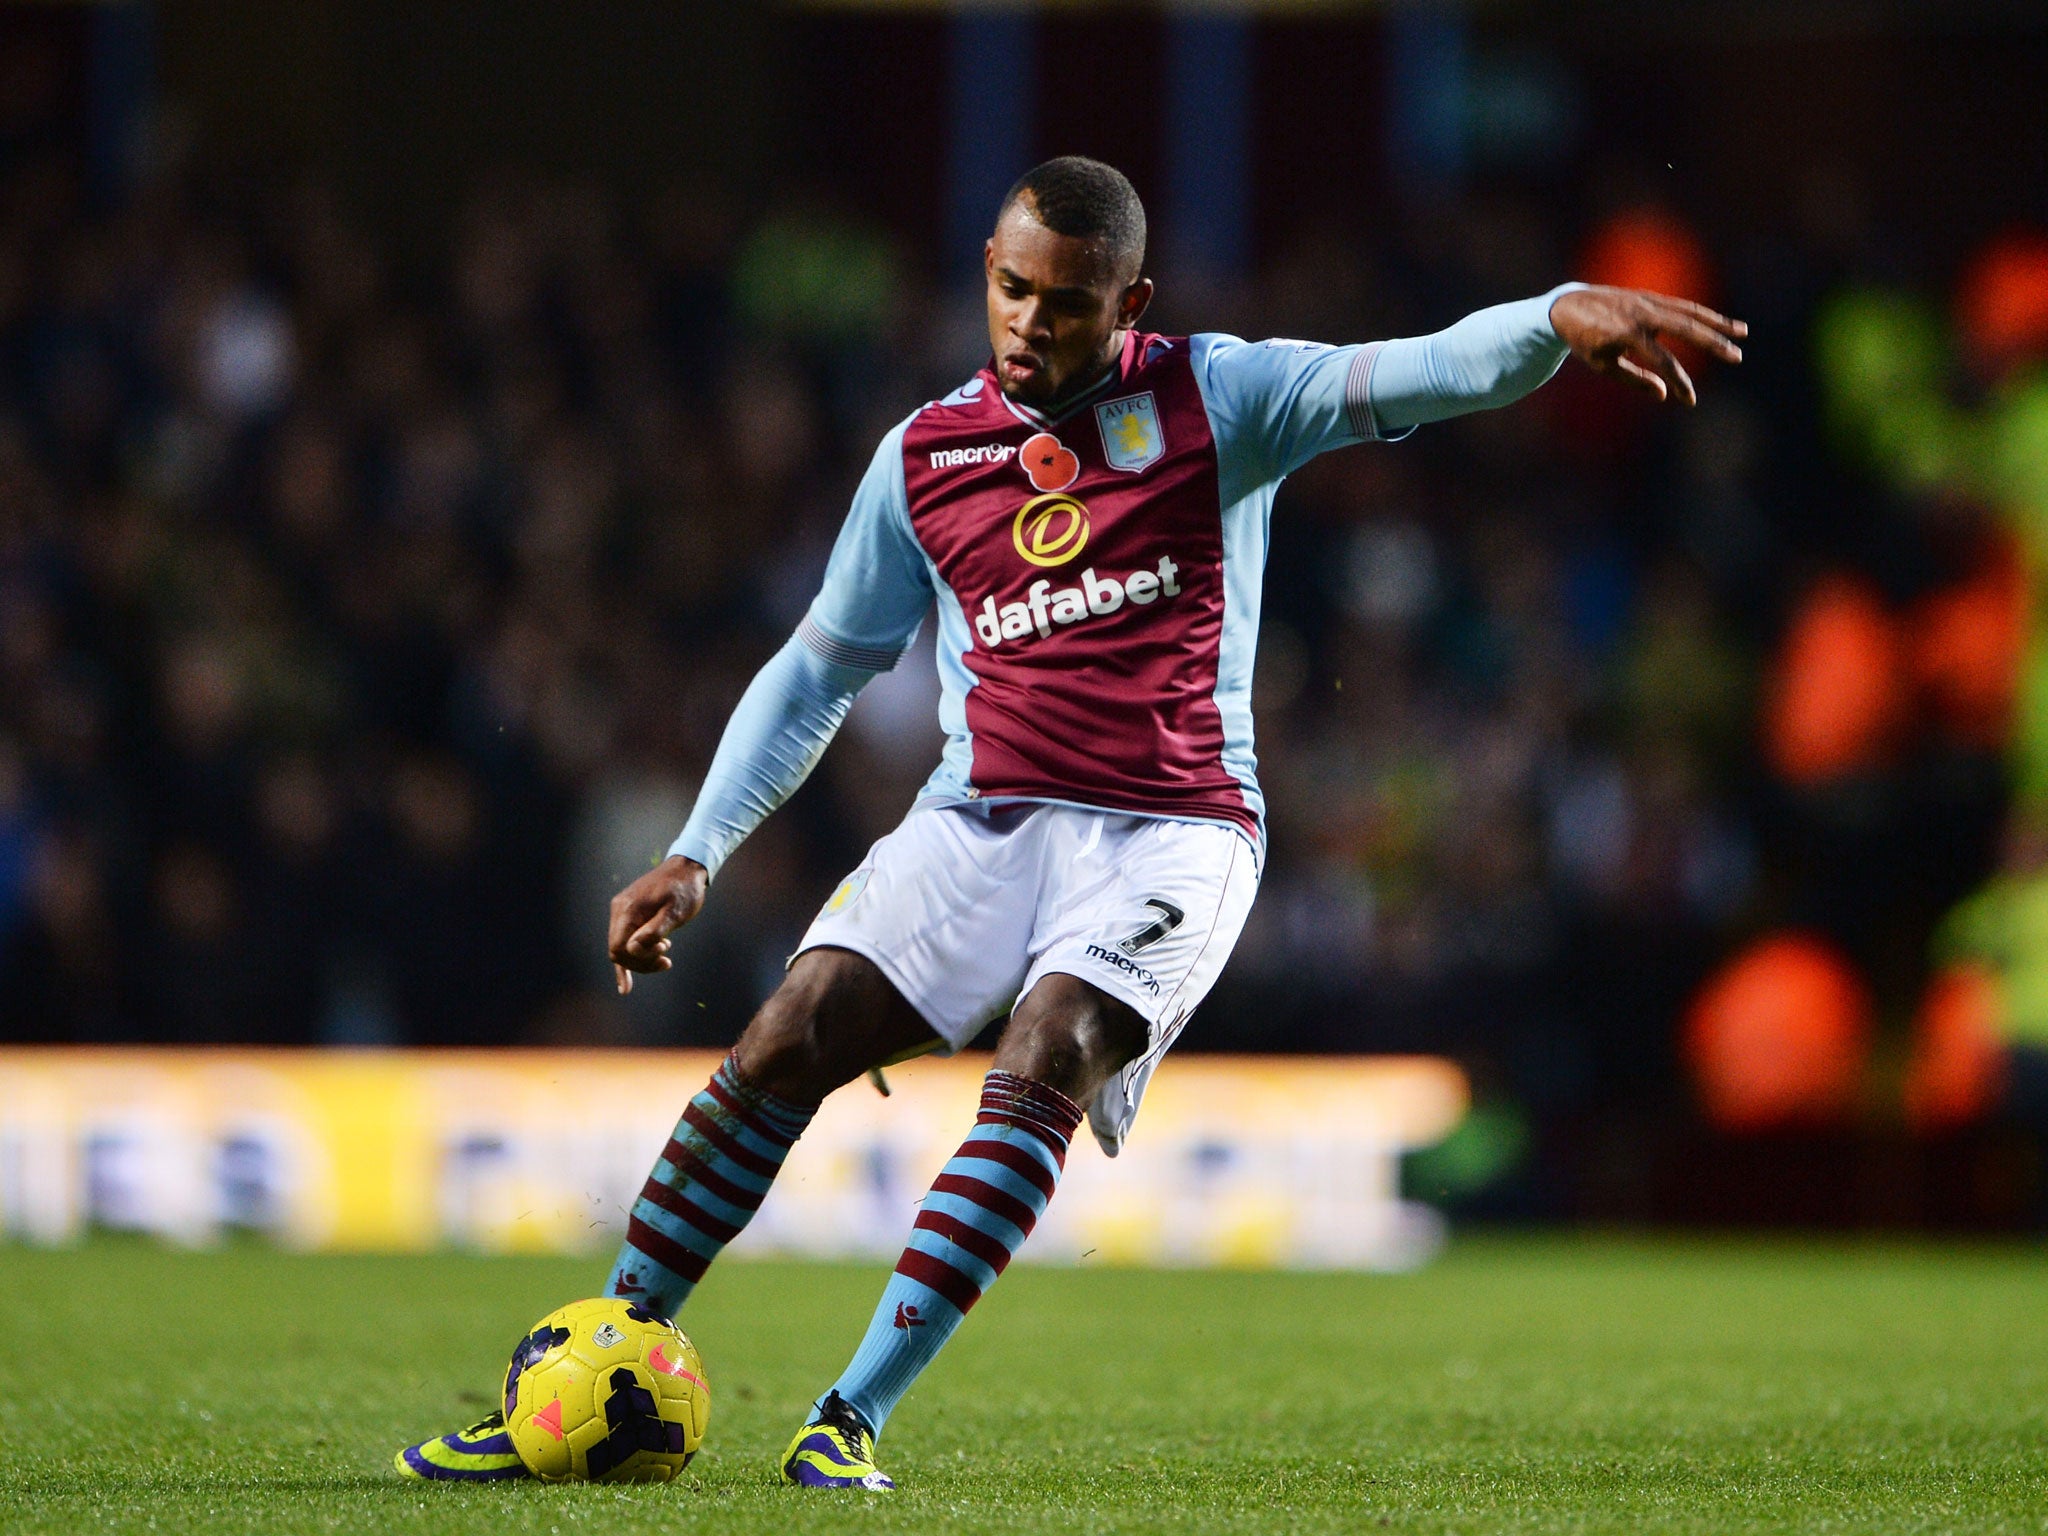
[1131, 436]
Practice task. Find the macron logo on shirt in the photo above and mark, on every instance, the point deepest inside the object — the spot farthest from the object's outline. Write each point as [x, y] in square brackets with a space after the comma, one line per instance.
[987, 453]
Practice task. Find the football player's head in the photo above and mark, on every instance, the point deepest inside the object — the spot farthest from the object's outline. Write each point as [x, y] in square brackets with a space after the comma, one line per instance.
[1065, 276]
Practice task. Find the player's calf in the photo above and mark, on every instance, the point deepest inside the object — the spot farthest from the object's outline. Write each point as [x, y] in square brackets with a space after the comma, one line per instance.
[834, 1016]
[981, 1208]
[1063, 1042]
[706, 1185]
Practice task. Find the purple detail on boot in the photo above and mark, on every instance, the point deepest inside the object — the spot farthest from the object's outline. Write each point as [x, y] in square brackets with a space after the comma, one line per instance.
[428, 1470]
[499, 1444]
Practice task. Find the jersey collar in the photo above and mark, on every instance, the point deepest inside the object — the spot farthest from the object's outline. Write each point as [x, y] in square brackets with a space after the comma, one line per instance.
[1116, 374]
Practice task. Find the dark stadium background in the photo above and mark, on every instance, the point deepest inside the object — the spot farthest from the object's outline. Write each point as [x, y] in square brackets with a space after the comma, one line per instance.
[418, 420]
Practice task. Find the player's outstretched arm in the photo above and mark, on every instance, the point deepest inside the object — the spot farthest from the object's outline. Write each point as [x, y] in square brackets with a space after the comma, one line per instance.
[785, 720]
[1622, 331]
[1496, 356]
[1275, 405]
[875, 593]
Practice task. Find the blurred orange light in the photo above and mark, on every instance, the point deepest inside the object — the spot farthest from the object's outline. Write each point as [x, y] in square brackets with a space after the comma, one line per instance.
[1838, 690]
[1969, 640]
[1957, 1072]
[2002, 301]
[1648, 248]
[1780, 1037]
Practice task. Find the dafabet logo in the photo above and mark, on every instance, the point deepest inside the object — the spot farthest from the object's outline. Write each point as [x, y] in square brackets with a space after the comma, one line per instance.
[1045, 608]
[1050, 530]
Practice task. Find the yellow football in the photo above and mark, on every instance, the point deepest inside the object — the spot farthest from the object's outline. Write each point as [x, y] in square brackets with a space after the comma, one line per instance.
[605, 1391]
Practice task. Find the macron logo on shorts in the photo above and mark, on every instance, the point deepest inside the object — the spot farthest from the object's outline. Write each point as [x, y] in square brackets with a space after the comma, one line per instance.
[1129, 967]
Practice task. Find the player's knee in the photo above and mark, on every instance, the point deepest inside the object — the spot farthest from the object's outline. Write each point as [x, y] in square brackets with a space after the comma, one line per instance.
[1070, 1036]
[809, 1037]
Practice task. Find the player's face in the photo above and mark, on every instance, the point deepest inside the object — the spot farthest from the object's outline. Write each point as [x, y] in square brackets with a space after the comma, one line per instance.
[1057, 307]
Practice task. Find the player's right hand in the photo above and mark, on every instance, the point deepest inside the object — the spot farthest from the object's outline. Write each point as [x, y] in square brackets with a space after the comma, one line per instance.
[646, 912]
[1620, 332]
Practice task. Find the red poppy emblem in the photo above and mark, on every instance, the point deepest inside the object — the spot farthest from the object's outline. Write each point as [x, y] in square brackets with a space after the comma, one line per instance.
[1051, 465]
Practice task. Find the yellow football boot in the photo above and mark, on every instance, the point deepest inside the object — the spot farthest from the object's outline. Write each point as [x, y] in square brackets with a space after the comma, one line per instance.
[481, 1453]
[835, 1450]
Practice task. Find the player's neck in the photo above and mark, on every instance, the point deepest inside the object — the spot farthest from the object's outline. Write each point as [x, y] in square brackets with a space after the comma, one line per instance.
[1090, 381]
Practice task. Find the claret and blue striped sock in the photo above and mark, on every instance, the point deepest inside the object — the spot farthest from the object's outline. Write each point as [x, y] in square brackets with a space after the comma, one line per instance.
[981, 1208]
[705, 1187]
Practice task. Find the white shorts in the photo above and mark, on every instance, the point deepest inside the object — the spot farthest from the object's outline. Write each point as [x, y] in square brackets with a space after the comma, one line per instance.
[964, 907]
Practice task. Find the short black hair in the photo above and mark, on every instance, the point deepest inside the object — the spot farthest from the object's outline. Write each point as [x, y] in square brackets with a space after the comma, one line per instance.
[1089, 200]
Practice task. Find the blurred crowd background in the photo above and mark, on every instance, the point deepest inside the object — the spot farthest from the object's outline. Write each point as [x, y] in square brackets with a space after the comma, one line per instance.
[383, 541]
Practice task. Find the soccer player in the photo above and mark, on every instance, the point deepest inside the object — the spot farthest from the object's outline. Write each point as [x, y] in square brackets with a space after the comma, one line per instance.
[1089, 515]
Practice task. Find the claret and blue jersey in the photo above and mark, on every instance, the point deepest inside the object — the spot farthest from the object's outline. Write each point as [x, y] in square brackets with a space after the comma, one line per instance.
[1096, 572]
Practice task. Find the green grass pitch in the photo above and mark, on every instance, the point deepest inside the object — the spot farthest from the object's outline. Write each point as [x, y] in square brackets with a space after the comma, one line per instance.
[1544, 1384]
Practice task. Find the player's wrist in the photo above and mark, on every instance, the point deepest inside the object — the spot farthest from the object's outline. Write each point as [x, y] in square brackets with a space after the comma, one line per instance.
[1552, 299]
[683, 859]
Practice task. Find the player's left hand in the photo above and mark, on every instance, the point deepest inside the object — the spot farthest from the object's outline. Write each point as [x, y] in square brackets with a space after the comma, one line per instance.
[1621, 332]
[646, 912]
